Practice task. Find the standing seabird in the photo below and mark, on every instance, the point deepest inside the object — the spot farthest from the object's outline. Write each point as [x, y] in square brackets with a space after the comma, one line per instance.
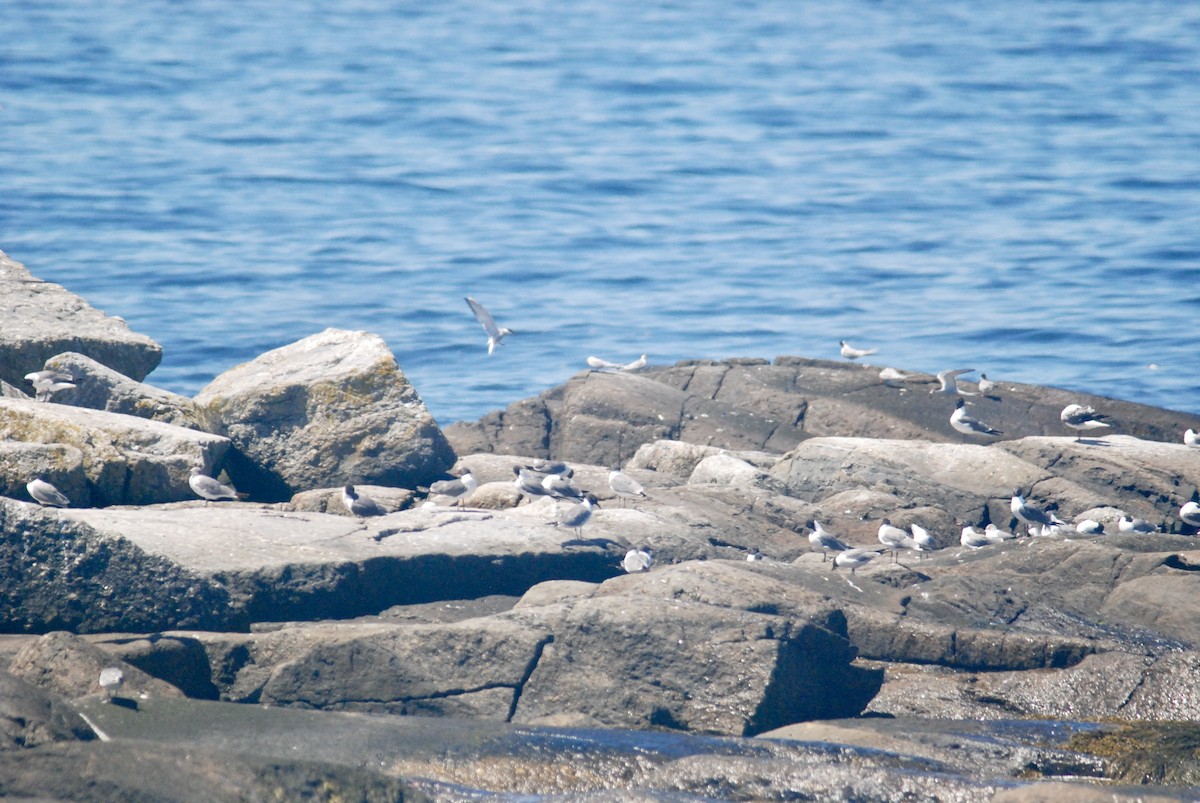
[209, 489]
[851, 353]
[1028, 514]
[1079, 418]
[968, 425]
[359, 505]
[624, 485]
[824, 540]
[457, 489]
[893, 538]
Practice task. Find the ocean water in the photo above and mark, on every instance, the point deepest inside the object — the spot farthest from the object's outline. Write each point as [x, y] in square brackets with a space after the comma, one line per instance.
[1013, 187]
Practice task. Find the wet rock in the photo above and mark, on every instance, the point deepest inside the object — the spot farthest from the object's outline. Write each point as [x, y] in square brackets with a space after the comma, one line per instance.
[124, 460]
[330, 409]
[61, 574]
[68, 665]
[99, 387]
[31, 716]
[39, 319]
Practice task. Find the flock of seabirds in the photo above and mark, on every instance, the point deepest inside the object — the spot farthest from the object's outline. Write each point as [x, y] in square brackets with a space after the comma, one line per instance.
[554, 478]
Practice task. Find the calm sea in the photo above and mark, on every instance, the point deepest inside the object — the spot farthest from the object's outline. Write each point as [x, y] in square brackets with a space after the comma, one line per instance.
[1013, 187]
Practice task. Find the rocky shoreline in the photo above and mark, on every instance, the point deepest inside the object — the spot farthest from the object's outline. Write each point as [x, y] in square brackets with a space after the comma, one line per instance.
[281, 646]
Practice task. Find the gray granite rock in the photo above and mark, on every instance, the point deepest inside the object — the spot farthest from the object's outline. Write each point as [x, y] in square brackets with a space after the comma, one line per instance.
[330, 409]
[39, 319]
[124, 460]
[101, 388]
[68, 665]
[750, 404]
[62, 574]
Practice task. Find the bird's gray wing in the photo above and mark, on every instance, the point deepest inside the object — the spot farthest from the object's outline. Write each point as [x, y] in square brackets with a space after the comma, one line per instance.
[484, 317]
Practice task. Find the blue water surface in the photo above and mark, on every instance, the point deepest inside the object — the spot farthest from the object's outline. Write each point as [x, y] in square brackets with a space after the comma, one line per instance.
[1013, 187]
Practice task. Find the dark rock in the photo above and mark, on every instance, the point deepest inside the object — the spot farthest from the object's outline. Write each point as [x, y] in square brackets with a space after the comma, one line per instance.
[331, 409]
[31, 716]
[71, 666]
[751, 405]
[60, 574]
[39, 319]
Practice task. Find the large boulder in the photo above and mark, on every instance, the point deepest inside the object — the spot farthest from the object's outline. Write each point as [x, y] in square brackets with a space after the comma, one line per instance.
[101, 388]
[39, 319]
[124, 460]
[70, 666]
[750, 404]
[60, 574]
[330, 409]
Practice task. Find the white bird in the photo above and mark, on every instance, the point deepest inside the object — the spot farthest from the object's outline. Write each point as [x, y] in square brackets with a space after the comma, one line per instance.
[597, 364]
[209, 489]
[1190, 438]
[853, 558]
[637, 560]
[973, 539]
[359, 505]
[922, 538]
[624, 485]
[824, 540]
[1079, 417]
[560, 486]
[46, 494]
[1089, 527]
[986, 386]
[755, 556]
[892, 378]
[949, 382]
[968, 425]
[1028, 514]
[1128, 524]
[495, 333]
[1190, 514]
[575, 516]
[457, 489]
[893, 538]
[48, 382]
[636, 365]
[996, 535]
[111, 679]
[851, 353]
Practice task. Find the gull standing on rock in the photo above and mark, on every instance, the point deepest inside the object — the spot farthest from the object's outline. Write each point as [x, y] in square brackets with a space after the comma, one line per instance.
[209, 489]
[46, 494]
[46, 383]
[578, 515]
[637, 560]
[968, 425]
[111, 680]
[495, 333]
[1190, 438]
[624, 485]
[921, 537]
[824, 540]
[359, 505]
[948, 382]
[1028, 514]
[986, 386]
[458, 489]
[560, 486]
[893, 538]
[1079, 418]
[636, 365]
[528, 482]
[851, 353]
[853, 558]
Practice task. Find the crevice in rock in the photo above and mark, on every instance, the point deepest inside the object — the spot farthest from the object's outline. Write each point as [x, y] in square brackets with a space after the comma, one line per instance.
[538, 649]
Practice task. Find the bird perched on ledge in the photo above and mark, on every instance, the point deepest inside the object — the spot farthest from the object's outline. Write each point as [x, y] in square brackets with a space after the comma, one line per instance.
[1078, 417]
